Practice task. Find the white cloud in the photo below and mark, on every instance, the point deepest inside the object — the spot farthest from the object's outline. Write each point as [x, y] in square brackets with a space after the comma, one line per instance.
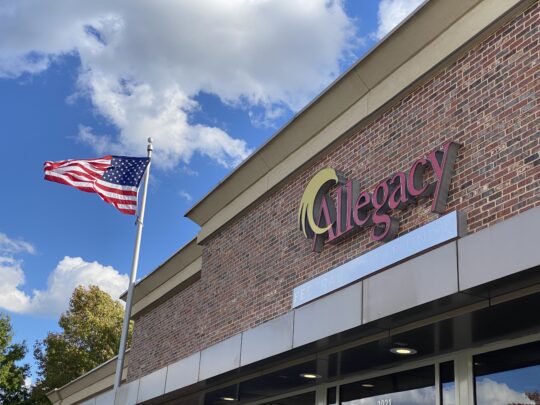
[68, 274]
[392, 12]
[143, 63]
[449, 394]
[185, 195]
[489, 392]
[9, 246]
[188, 171]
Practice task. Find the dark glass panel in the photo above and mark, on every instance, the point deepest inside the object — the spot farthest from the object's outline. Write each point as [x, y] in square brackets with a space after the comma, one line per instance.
[331, 396]
[411, 387]
[302, 399]
[221, 396]
[280, 382]
[428, 340]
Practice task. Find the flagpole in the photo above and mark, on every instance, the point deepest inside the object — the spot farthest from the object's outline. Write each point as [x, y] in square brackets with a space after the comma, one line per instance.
[133, 278]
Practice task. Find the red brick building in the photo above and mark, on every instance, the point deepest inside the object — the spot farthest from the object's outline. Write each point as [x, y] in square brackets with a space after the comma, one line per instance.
[419, 170]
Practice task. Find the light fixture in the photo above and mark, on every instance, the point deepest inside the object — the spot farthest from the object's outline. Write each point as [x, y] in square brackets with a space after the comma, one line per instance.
[368, 385]
[403, 351]
[228, 399]
[310, 376]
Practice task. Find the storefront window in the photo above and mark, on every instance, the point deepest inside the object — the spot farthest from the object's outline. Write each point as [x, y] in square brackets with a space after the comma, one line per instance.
[302, 399]
[331, 396]
[411, 387]
[279, 383]
[509, 376]
[448, 385]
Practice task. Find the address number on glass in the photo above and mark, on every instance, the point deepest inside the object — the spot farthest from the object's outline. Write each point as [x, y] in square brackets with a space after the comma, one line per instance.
[384, 401]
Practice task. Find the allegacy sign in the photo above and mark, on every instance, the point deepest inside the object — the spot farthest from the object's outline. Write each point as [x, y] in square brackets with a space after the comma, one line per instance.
[325, 222]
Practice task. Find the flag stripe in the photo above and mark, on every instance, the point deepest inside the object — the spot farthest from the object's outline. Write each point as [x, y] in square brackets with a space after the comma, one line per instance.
[76, 178]
[91, 170]
[119, 197]
[77, 174]
[112, 200]
[101, 165]
[68, 182]
[125, 190]
[103, 160]
[73, 182]
[121, 206]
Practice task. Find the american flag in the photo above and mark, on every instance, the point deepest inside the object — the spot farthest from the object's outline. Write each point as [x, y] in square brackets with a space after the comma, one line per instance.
[114, 178]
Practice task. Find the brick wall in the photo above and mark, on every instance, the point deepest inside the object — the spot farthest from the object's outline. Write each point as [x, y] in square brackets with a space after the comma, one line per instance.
[487, 101]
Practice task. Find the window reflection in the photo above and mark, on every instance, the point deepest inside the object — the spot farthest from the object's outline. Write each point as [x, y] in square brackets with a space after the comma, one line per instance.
[448, 385]
[302, 399]
[412, 387]
[509, 376]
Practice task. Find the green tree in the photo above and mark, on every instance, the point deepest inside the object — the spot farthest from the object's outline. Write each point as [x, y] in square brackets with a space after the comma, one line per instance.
[91, 329]
[12, 376]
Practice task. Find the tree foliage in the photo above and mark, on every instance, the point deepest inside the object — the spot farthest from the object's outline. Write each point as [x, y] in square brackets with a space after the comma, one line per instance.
[90, 335]
[12, 376]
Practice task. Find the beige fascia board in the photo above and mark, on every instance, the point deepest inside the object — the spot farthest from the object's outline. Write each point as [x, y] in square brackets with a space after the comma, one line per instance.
[430, 19]
[456, 37]
[292, 137]
[344, 93]
[412, 35]
[54, 396]
[90, 384]
[167, 287]
[170, 268]
[93, 390]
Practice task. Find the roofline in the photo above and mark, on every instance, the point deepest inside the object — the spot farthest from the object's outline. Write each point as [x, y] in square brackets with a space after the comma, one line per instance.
[58, 391]
[123, 297]
[87, 373]
[297, 115]
[428, 40]
[176, 273]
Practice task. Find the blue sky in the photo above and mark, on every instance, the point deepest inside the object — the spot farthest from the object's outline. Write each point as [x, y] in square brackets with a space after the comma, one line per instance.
[211, 81]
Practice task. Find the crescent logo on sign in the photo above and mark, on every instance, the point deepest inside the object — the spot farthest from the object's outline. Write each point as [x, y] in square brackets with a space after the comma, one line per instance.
[311, 200]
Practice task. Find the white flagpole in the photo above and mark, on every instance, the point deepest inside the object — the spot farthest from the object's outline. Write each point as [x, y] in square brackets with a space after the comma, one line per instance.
[135, 264]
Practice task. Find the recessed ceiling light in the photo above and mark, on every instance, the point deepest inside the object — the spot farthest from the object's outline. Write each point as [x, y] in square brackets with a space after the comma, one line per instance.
[228, 399]
[310, 376]
[403, 351]
[367, 385]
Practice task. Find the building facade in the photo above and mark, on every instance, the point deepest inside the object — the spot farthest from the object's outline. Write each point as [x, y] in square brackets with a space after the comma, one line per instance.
[381, 249]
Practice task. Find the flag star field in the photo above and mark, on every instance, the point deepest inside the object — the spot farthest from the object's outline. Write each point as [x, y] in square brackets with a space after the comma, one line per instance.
[125, 170]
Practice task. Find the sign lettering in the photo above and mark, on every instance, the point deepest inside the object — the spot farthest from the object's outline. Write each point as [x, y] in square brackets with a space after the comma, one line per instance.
[324, 221]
